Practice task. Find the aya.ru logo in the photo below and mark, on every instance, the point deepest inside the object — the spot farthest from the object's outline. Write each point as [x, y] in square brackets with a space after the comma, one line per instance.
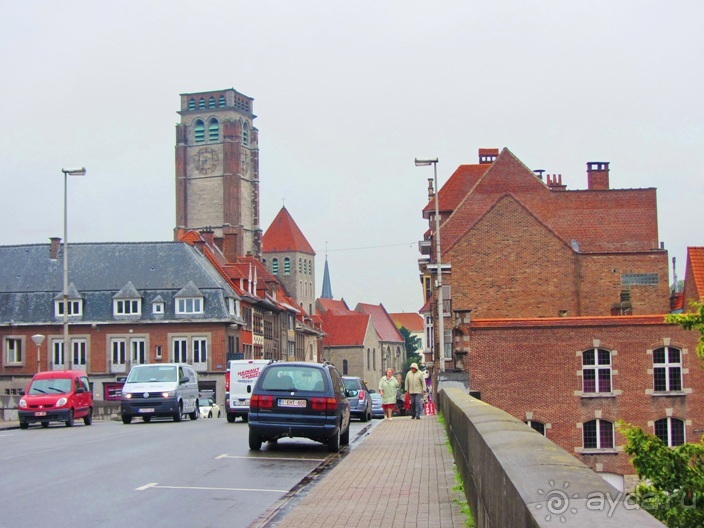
[557, 502]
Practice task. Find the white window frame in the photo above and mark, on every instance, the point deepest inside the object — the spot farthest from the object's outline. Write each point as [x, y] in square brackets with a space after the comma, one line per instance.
[179, 345]
[127, 306]
[75, 307]
[598, 367]
[79, 351]
[189, 305]
[199, 345]
[57, 354]
[669, 430]
[668, 366]
[599, 424]
[158, 308]
[139, 355]
[118, 354]
[14, 347]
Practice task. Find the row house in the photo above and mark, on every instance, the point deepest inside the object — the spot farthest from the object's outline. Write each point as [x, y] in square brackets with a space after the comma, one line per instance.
[567, 291]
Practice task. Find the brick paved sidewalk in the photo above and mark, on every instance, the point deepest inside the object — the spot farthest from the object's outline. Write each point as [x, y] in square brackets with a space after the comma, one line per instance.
[401, 475]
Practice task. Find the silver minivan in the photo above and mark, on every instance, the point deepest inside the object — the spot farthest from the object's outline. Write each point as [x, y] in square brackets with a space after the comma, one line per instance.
[162, 390]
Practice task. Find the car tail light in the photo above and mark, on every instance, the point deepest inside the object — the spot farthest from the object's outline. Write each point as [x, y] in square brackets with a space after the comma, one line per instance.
[227, 381]
[323, 404]
[261, 402]
[362, 394]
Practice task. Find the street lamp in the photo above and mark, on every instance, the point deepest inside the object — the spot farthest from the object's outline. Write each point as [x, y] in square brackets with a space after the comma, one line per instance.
[38, 340]
[67, 172]
[440, 356]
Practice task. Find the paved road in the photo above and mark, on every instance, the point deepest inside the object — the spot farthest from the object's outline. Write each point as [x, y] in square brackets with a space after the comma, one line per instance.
[194, 473]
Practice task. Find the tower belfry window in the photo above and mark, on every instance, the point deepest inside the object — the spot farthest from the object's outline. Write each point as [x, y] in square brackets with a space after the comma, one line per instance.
[211, 102]
[221, 101]
[191, 104]
[201, 103]
[213, 130]
[199, 131]
[245, 134]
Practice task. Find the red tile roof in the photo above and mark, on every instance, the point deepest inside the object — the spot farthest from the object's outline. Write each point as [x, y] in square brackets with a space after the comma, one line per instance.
[345, 330]
[573, 215]
[384, 326]
[331, 305]
[412, 321]
[284, 235]
[695, 262]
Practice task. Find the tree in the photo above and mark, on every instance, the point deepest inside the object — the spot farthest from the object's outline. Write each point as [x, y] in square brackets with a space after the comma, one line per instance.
[412, 345]
[691, 321]
[672, 479]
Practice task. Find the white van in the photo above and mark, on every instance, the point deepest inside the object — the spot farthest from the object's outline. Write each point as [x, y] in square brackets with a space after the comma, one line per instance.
[240, 378]
[165, 390]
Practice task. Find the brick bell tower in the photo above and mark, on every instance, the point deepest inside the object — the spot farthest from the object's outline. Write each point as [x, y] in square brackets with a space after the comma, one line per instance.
[217, 167]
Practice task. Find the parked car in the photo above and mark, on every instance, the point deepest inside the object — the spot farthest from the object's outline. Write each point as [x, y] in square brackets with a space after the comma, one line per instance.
[377, 409]
[300, 400]
[361, 404]
[208, 408]
[56, 396]
[164, 390]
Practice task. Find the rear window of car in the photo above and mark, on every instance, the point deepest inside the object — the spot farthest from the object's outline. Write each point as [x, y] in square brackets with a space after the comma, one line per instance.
[352, 383]
[298, 378]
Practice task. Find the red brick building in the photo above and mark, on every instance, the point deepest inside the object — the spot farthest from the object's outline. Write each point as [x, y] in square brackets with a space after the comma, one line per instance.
[555, 302]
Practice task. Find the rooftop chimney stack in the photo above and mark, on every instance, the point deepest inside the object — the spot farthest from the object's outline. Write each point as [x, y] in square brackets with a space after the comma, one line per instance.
[598, 175]
[488, 155]
[54, 249]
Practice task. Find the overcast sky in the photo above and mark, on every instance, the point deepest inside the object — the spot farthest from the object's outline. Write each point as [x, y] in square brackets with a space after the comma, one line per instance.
[346, 94]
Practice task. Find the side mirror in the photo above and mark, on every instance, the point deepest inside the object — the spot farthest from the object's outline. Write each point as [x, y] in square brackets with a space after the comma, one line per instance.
[22, 393]
[352, 393]
[371, 391]
[185, 379]
[80, 390]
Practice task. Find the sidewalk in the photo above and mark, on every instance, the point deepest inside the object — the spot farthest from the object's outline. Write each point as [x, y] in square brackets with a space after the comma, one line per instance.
[400, 475]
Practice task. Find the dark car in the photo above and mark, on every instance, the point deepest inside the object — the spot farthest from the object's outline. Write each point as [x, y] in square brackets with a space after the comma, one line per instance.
[303, 400]
[361, 404]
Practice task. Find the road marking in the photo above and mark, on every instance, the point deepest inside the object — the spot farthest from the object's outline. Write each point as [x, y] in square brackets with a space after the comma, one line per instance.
[156, 485]
[297, 459]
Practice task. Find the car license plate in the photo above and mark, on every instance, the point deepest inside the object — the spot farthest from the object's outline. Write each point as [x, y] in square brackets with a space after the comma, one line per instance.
[147, 410]
[292, 403]
[40, 413]
[242, 402]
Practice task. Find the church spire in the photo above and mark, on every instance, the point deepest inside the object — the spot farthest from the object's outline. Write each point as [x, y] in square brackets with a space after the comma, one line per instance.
[327, 289]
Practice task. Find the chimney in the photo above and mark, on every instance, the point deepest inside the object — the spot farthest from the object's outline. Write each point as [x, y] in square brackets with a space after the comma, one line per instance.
[54, 249]
[598, 175]
[230, 245]
[555, 182]
[208, 235]
[539, 173]
[488, 155]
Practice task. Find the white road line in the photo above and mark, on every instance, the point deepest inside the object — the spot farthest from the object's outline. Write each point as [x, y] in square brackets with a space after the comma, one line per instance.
[156, 485]
[271, 458]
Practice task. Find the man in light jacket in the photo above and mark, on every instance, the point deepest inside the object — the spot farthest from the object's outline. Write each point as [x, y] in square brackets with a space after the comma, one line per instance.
[415, 385]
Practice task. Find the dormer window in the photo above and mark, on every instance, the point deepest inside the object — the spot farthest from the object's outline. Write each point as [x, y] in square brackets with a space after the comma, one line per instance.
[74, 302]
[127, 307]
[158, 305]
[192, 305]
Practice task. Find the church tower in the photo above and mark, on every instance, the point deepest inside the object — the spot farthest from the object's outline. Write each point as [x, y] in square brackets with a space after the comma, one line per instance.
[217, 167]
[291, 259]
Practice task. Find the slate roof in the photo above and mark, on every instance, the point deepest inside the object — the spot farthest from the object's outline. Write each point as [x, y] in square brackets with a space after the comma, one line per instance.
[284, 236]
[30, 280]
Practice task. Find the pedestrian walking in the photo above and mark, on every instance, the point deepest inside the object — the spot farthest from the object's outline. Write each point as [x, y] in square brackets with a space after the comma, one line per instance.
[387, 388]
[415, 386]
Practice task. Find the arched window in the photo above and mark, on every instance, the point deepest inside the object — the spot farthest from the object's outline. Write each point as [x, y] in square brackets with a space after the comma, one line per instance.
[213, 130]
[221, 101]
[245, 134]
[287, 266]
[596, 371]
[670, 431]
[667, 369]
[305, 266]
[310, 267]
[275, 266]
[345, 367]
[211, 102]
[191, 104]
[374, 359]
[598, 434]
[369, 356]
[201, 103]
[199, 131]
[537, 426]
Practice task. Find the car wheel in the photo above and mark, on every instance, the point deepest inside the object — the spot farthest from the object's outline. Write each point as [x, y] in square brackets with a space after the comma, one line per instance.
[88, 418]
[24, 425]
[255, 441]
[231, 418]
[179, 413]
[334, 442]
[126, 419]
[195, 414]
[45, 424]
[146, 419]
[345, 437]
[364, 417]
[69, 422]
[245, 418]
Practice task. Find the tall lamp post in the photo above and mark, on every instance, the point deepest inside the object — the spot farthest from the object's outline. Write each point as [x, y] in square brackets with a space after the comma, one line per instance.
[439, 356]
[38, 340]
[67, 172]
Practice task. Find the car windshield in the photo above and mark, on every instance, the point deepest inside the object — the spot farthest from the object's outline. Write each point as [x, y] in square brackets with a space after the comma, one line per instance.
[352, 383]
[204, 402]
[293, 378]
[152, 373]
[50, 386]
